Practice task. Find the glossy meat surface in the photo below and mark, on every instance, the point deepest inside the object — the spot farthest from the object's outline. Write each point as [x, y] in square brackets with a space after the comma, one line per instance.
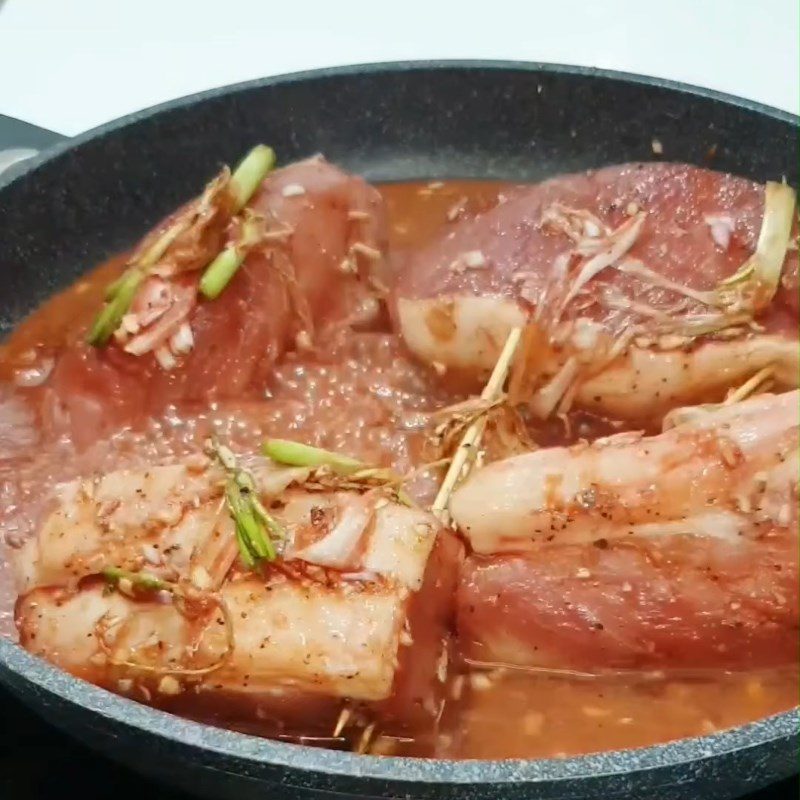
[690, 622]
[681, 203]
[722, 470]
[674, 604]
[678, 551]
[640, 244]
[292, 286]
[331, 617]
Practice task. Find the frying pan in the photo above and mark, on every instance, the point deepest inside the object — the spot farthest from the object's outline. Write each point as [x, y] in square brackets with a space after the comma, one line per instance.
[87, 198]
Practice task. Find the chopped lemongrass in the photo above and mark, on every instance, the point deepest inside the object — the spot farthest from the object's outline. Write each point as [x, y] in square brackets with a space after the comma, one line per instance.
[247, 177]
[109, 318]
[160, 246]
[386, 476]
[220, 271]
[468, 446]
[240, 186]
[139, 580]
[750, 386]
[255, 527]
[349, 471]
[296, 454]
[754, 284]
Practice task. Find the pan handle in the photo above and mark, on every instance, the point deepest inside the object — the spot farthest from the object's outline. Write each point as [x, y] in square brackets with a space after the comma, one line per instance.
[20, 141]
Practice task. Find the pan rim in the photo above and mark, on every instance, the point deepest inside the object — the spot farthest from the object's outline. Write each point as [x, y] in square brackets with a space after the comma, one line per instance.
[394, 67]
[257, 752]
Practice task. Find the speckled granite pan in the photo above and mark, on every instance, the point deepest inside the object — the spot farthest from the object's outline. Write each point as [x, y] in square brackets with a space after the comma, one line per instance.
[87, 198]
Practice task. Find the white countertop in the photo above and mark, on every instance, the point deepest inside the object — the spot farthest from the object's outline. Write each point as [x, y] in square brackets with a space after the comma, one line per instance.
[69, 65]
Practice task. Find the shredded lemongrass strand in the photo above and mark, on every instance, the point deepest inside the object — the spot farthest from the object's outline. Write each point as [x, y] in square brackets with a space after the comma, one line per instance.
[463, 457]
[176, 670]
[749, 387]
[619, 242]
[632, 266]
[754, 284]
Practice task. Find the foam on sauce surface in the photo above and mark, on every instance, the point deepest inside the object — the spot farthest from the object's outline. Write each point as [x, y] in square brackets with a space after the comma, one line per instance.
[366, 396]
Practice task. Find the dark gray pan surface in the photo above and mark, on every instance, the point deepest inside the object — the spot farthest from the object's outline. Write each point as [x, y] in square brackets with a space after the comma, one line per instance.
[91, 197]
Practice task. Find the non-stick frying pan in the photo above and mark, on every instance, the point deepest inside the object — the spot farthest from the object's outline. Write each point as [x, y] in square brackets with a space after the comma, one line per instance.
[85, 199]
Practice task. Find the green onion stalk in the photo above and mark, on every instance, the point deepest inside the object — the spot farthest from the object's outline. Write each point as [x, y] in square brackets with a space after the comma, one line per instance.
[243, 183]
[109, 319]
[220, 271]
[139, 580]
[256, 528]
[297, 454]
[247, 177]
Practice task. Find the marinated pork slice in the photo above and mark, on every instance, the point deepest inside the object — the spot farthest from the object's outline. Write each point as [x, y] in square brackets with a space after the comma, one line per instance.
[678, 603]
[721, 471]
[677, 551]
[168, 519]
[617, 271]
[315, 266]
[356, 608]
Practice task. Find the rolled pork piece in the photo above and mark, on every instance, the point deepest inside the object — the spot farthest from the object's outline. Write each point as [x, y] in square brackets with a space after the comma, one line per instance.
[678, 551]
[591, 261]
[724, 470]
[316, 268]
[135, 583]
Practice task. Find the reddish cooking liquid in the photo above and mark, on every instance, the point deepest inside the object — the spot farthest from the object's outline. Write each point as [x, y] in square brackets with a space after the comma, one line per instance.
[367, 397]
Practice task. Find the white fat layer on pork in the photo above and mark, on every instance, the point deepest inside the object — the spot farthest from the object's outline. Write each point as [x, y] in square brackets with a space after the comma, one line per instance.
[461, 332]
[467, 333]
[303, 636]
[644, 383]
[361, 534]
[173, 517]
[335, 634]
[165, 514]
[739, 460]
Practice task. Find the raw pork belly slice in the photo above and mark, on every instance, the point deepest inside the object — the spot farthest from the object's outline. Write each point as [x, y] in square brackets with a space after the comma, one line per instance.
[311, 275]
[678, 551]
[456, 300]
[357, 608]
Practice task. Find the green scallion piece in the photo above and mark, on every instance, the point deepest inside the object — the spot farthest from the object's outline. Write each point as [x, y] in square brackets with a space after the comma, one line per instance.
[247, 177]
[140, 580]
[255, 527]
[160, 246]
[109, 318]
[296, 454]
[114, 286]
[220, 271]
